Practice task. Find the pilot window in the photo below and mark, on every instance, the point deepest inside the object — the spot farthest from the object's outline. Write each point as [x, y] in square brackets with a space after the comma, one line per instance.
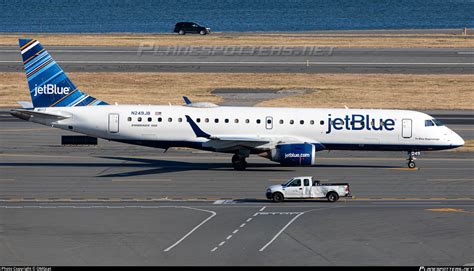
[429, 123]
[129, 118]
[438, 123]
[306, 182]
[296, 182]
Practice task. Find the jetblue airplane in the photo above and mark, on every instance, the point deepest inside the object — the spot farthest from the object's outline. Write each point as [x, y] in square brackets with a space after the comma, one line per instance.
[290, 136]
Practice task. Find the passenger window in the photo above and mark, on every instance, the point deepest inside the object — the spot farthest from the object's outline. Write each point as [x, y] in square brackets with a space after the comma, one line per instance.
[149, 119]
[206, 120]
[311, 122]
[160, 119]
[258, 121]
[129, 118]
[296, 182]
[321, 122]
[170, 119]
[198, 120]
[226, 120]
[247, 121]
[292, 121]
[216, 120]
[236, 120]
[281, 121]
[306, 182]
[139, 119]
[301, 121]
[180, 119]
[269, 121]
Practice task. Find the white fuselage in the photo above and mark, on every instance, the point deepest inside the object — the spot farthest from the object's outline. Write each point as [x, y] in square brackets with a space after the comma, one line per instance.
[166, 126]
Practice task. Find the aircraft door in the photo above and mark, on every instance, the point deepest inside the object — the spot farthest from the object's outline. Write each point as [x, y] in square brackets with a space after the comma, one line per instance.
[113, 123]
[269, 123]
[406, 128]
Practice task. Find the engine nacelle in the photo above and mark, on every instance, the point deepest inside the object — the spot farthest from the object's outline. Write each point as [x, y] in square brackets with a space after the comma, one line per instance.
[302, 154]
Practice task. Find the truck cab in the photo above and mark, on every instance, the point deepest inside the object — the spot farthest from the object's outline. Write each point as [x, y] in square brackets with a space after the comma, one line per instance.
[306, 187]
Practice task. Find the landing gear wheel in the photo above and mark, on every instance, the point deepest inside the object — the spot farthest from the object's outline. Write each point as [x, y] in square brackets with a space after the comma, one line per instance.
[411, 158]
[238, 162]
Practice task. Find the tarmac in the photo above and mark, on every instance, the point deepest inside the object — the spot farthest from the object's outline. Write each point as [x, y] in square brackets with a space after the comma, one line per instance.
[309, 59]
[116, 204]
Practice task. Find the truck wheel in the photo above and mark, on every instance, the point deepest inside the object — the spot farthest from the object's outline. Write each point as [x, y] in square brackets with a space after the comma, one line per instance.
[202, 32]
[181, 32]
[277, 197]
[332, 196]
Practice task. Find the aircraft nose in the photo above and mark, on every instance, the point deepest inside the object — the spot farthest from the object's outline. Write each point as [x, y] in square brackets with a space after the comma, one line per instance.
[456, 140]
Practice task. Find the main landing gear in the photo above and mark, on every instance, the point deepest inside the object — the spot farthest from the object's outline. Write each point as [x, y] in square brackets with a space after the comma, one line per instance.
[238, 161]
[412, 157]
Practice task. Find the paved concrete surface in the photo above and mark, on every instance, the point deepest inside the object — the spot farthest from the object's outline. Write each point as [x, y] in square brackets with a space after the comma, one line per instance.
[253, 59]
[292, 233]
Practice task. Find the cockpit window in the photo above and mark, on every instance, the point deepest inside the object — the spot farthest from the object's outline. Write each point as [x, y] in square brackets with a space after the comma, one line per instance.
[429, 123]
[438, 123]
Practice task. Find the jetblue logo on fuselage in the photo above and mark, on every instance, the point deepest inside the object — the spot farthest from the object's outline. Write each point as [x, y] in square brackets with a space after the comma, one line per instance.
[49, 89]
[358, 122]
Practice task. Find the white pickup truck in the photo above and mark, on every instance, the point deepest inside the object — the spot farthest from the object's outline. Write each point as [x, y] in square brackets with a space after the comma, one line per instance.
[306, 187]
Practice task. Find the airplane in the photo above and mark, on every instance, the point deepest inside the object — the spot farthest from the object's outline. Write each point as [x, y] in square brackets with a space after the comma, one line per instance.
[290, 136]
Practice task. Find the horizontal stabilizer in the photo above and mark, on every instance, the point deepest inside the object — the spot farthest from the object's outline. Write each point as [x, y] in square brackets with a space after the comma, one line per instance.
[27, 114]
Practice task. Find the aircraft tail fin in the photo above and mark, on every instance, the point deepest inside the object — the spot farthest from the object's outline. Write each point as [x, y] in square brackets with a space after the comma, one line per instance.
[49, 85]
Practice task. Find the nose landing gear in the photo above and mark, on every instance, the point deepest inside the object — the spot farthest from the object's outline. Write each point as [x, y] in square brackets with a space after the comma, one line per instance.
[412, 157]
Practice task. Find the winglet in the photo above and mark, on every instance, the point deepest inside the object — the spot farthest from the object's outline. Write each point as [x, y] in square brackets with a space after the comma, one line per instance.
[196, 129]
[186, 100]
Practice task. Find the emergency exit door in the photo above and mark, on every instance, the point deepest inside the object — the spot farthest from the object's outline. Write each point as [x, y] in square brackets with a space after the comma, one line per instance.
[113, 123]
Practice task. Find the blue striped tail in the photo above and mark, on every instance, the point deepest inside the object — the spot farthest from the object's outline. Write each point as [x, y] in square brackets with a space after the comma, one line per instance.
[49, 85]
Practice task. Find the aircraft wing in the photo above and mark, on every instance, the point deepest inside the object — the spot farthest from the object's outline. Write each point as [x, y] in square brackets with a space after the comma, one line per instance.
[228, 141]
[235, 142]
